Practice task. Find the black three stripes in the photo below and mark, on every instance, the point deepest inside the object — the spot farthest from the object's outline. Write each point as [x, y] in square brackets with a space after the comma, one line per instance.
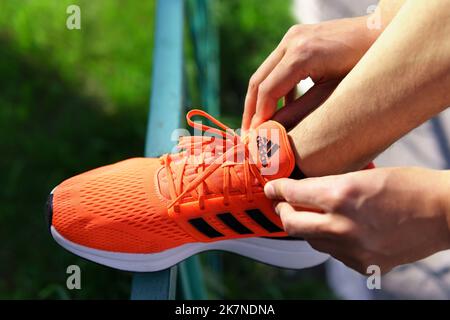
[203, 227]
[262, 220]
[231, 222]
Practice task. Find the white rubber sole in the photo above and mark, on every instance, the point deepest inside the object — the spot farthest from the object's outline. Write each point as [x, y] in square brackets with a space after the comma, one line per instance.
[293, 254]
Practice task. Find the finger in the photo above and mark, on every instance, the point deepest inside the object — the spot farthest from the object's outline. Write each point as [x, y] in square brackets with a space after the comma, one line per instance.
[330, 246]
[297, 110]
[307, 193]
[345, 254]
[290, 97]
[258, 77]
[302, 223]
[283, 78]
[347, 260]
[352, 263]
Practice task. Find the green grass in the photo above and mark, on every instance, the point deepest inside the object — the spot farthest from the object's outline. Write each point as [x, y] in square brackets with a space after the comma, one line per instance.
[69, 101]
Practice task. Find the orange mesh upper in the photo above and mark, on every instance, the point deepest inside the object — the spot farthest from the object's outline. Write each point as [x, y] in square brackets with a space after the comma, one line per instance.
[111, 209]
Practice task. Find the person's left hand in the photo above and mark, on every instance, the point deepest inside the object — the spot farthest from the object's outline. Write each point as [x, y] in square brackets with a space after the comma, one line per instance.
[383, 217]
[325, 52]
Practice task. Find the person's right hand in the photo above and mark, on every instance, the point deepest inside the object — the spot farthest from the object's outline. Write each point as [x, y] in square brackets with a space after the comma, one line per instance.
[384, 217]
[326, 52]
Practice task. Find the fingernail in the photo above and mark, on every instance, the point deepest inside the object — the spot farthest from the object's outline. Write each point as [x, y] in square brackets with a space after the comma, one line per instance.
[269, 190]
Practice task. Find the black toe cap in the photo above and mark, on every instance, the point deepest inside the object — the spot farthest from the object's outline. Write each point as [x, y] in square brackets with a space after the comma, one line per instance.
[49, 210]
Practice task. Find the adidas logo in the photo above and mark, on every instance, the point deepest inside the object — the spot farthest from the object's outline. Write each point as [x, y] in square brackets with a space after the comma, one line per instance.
[266, 149]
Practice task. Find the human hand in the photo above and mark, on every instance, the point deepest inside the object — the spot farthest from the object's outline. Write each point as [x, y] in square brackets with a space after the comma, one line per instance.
[384, 217]
[326, 52]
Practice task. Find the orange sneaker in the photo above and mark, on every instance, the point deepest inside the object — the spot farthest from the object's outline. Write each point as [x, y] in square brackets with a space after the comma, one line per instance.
[147, 214]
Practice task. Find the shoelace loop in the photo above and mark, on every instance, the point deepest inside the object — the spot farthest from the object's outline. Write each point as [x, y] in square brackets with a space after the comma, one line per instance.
[195, 149]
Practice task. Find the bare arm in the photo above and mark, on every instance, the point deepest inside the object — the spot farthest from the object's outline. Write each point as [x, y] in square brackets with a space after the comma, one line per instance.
[402, 81]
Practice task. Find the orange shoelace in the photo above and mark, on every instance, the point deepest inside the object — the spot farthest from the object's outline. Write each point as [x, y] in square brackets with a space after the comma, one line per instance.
[202, 145]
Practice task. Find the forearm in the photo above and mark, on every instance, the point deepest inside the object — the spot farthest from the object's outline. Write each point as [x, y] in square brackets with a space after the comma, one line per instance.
[402, 81]
[388, 9]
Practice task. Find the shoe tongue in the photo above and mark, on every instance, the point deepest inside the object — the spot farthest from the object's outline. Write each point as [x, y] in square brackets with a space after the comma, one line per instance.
[271, 151]
[213, 184]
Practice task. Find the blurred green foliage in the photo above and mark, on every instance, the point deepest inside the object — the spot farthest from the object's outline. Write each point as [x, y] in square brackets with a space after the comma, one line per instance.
[249, 31]
[73, 100]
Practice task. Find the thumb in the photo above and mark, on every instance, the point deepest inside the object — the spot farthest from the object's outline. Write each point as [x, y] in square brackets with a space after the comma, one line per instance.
[276, 189]
[309, 193]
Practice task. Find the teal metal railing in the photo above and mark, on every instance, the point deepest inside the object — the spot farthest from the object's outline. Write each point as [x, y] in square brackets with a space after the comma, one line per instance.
[167, 108]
